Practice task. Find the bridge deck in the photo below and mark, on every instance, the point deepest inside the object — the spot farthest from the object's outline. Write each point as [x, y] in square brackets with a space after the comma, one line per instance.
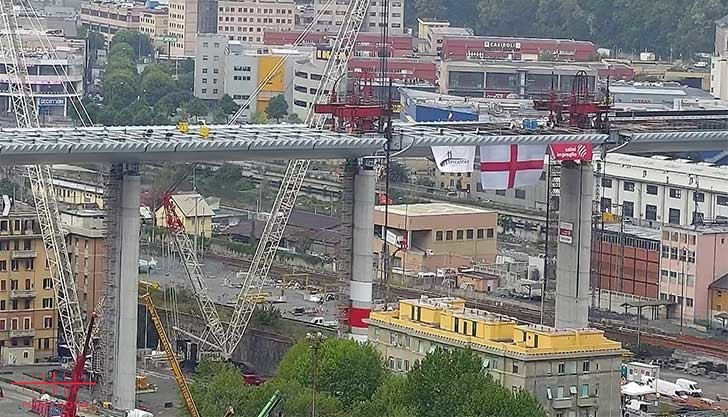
[282, 142]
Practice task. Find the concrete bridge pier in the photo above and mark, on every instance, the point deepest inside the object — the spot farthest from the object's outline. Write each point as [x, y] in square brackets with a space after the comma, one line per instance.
[362, 268]
[122, 284]
[574, 248]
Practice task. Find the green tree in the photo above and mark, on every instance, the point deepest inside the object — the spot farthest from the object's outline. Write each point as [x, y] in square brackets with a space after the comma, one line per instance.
[227, 105]
[463, 389]
[139, 42]
[259, 118]
[197, 107]
[277, 108]
[347, 370]
[155, 84]
[293, 118]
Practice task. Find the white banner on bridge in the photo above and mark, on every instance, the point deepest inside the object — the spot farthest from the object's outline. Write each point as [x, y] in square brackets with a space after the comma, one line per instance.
[458, 159]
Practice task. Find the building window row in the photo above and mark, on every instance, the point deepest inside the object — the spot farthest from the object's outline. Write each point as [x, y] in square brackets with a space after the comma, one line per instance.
[464, 234]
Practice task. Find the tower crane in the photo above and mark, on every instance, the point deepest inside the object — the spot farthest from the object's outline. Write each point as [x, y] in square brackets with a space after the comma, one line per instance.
[334, 72]
[41, 181]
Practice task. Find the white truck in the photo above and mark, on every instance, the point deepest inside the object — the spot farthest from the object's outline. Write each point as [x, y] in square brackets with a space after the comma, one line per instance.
[667, 388]
[691, 387]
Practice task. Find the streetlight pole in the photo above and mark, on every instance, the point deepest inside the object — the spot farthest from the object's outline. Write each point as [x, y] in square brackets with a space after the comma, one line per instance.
[315, 340]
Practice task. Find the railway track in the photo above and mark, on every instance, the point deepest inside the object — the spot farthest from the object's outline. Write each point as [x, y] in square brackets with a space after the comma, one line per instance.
[708, 347]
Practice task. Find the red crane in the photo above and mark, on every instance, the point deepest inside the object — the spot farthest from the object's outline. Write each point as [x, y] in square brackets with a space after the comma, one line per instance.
[71, 408]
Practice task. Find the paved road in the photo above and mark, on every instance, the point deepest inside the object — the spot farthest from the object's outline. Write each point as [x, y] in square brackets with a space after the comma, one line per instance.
[218, 277]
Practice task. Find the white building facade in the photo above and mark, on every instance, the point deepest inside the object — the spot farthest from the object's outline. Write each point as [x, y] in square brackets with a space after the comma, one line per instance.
[245, 21]
[333, 16]
[657, 190]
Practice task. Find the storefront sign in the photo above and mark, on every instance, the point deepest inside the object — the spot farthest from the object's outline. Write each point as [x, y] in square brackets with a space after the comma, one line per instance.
[502, 46]
[52, 102]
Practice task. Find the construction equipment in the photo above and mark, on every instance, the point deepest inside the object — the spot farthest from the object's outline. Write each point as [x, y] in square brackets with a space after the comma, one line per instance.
[176, 371]
[334, 72]
[271, 408]
[41, 181]
[71, 407]
[193, 269]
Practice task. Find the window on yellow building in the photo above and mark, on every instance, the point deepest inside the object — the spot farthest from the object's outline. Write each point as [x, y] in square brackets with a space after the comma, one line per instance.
[469, 234]
[460, 234]
[438, 235]
[448, 235]
[481, 234]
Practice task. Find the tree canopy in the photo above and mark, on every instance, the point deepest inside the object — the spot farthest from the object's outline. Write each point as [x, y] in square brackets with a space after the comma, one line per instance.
[680, 27]
[352, 380]
[154, 97]
[277, 108]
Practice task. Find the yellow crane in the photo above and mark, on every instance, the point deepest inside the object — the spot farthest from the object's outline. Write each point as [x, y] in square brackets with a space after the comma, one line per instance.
[176, 371]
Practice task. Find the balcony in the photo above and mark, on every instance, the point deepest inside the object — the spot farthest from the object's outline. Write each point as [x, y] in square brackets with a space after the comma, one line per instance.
[20, 294]
[587, 401]
[24, 254]
[14, 334]
[561, 403]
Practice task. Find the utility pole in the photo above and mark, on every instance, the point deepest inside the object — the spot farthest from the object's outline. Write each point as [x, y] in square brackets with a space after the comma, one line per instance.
[315, 341]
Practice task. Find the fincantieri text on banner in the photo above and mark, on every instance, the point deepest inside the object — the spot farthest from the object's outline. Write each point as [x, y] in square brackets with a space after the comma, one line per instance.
[454, 159]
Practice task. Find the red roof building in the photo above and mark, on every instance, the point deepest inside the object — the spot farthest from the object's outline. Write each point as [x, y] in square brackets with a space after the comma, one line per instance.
[527, 49]
[367, 44]
[406, 70]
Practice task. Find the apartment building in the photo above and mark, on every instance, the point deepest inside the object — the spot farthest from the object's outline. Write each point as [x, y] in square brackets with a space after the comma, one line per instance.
[187, 19]
[692, 260]
[570, 372]
[437, 235]
[333, 16]
[77, 193]
[55, 80]
[154, 23]
[28, 317]
[661, 190]
[248, 20]
[230, 67]
[87, 251]
[110, 17]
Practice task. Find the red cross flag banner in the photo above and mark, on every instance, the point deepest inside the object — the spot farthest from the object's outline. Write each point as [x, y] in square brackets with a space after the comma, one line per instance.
[510, 166]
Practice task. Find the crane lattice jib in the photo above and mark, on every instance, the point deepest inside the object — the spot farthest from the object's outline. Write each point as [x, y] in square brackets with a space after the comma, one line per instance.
[193, 269]
[41, 181]
[171, 358]
[265, 253]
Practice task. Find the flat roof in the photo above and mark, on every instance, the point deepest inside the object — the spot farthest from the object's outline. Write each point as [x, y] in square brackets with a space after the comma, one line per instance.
[634, 230]
[663, 163]
[523, 65]
[451, 31]
[432, 209]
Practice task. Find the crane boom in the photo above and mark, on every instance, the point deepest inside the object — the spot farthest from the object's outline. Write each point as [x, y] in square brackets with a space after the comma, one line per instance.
[193, 269]
[41, 181]
[176, 371]
[285, 200]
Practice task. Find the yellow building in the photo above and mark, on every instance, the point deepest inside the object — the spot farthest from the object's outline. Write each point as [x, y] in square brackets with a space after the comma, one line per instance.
[438, 235]
[28, 318]
[276, 85]
[718, 299]
[193, 210]
[571, 372]
[79, 193]
[154, 23]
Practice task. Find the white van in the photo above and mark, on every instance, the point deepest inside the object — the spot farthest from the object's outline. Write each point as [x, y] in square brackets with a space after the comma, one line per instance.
[691, 387]
[139, 413]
